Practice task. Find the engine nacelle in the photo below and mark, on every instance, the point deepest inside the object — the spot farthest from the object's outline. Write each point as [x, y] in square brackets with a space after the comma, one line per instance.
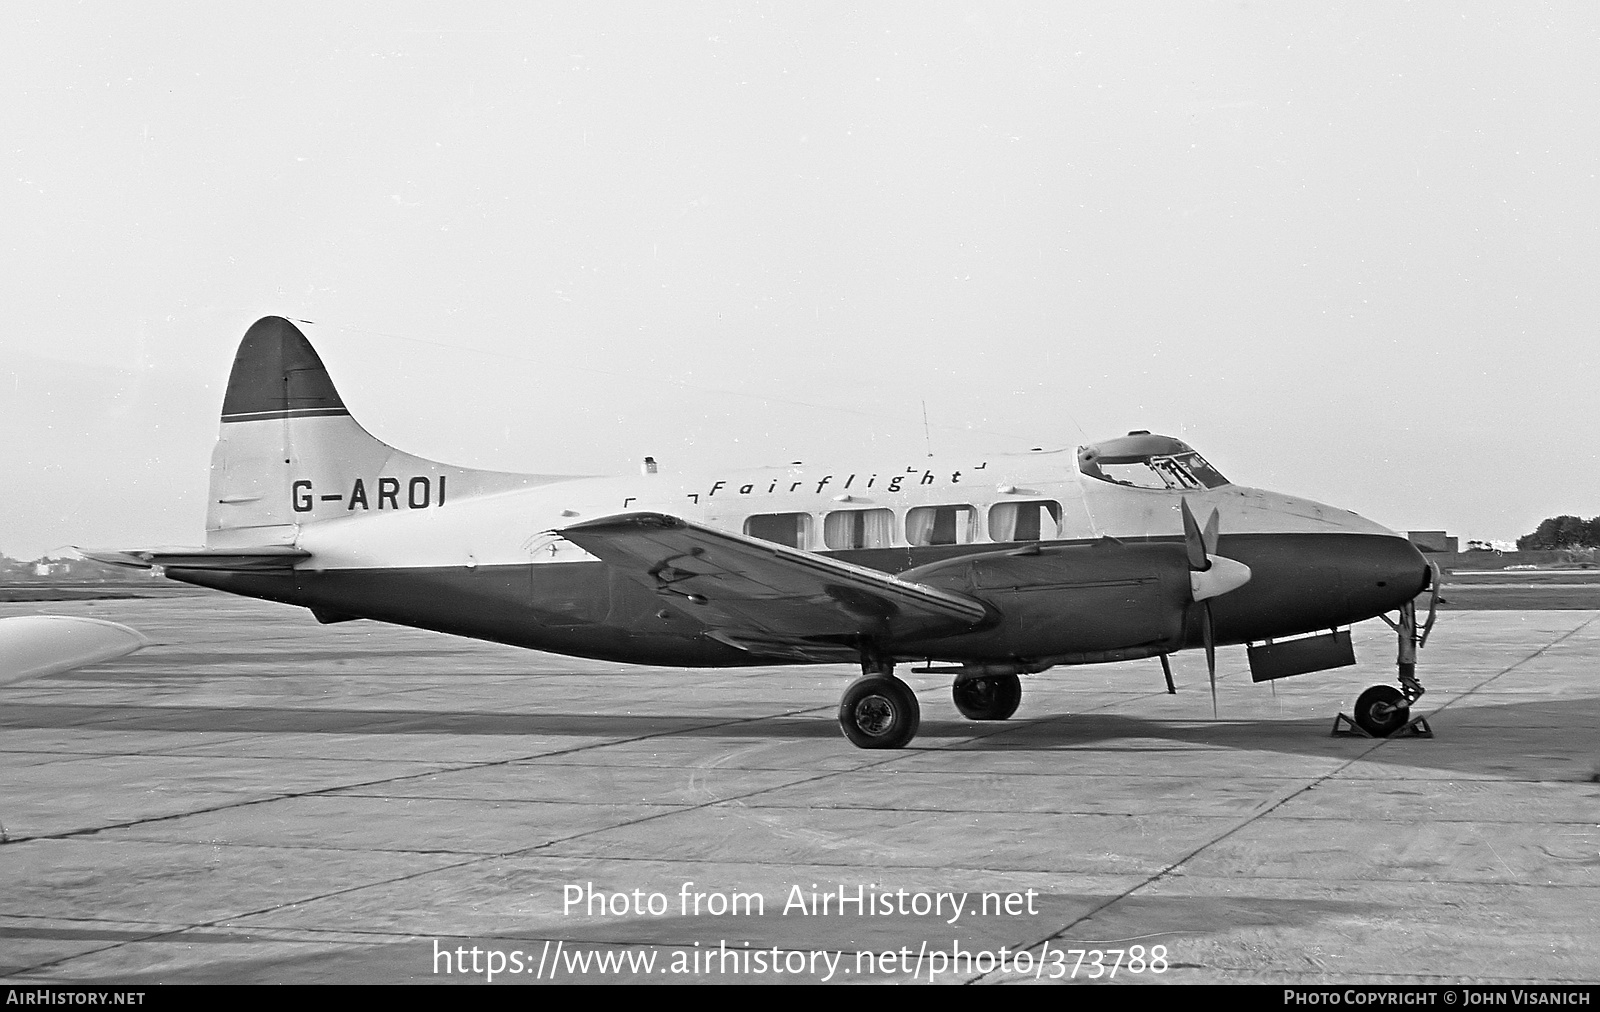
[1097, 600]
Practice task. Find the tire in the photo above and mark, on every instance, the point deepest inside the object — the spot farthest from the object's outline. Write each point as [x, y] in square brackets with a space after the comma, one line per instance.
[1382, 710]
[990, 697]
[879, 711]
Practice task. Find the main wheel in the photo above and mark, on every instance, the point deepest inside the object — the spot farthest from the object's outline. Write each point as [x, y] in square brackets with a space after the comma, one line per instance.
[991, 697]
[1382, 710]
[879, 711]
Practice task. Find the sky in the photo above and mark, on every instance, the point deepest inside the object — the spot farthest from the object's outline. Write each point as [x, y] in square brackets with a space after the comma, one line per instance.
[1347, 251]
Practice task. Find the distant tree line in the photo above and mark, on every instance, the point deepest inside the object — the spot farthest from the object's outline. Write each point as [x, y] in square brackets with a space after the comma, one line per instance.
[47, 570]
[1562, 532]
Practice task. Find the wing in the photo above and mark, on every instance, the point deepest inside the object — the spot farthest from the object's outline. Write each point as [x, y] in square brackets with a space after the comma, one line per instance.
[771, 598]
[265, 557]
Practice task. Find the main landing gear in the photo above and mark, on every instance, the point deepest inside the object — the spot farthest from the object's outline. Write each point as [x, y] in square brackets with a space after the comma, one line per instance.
[1384, 710]
[987, 697]
[879, 710]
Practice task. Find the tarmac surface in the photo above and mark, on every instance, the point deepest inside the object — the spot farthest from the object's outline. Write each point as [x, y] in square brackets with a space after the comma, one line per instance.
[258, 798]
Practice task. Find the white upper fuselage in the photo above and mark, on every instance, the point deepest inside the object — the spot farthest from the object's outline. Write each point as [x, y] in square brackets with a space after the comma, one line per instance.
[515, 527]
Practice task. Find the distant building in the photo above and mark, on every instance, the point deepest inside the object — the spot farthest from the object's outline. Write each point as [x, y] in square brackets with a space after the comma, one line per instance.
[1434, 542]
[1436, 545]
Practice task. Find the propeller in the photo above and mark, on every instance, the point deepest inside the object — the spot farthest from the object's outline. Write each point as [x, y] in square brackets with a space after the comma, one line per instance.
[1210, 575]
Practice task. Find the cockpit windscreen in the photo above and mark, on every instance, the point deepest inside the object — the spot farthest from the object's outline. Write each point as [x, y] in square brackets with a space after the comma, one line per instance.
[1145, 460]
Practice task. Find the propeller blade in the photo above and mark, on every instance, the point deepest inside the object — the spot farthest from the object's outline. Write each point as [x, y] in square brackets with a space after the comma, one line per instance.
[1211, 656]
[1193, 540]
[1210, 575]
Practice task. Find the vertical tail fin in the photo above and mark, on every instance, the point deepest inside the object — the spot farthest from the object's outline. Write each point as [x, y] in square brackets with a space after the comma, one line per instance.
[289, 453]
[278, 375]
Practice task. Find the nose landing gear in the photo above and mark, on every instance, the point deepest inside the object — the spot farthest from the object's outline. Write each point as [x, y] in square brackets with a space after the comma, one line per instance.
[1383, 710]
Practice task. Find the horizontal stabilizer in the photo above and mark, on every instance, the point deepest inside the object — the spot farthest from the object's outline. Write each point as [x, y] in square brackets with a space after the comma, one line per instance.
[265, 557]
[750, 591]
[36, 645]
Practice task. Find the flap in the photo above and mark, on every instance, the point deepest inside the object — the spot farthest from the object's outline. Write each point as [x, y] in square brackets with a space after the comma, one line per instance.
[749, 590]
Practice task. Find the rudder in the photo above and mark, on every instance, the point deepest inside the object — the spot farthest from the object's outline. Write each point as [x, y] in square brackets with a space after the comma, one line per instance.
[277, 374]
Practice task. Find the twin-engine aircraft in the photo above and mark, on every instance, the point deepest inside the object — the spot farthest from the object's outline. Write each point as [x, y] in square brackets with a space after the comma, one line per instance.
[984, 570]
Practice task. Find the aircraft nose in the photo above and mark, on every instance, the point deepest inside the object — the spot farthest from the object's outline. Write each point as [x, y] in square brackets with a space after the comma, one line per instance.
[1306, 582]
[1386, 573]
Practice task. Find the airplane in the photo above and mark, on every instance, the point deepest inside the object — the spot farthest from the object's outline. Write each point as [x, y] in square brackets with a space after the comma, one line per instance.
[984, 570]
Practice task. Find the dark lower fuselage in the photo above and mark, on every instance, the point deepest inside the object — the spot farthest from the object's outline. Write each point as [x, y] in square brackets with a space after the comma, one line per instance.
[1300, 583]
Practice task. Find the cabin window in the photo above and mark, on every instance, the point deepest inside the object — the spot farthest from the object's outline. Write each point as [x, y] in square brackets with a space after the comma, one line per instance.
[942, 525]
[792, 529]
[858, 529]
[1025, 521]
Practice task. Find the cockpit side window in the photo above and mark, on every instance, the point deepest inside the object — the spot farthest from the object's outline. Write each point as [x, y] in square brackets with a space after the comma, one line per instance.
[1138, 475]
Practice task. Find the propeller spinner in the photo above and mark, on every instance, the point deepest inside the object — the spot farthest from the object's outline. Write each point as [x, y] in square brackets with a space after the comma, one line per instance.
[1210, 575]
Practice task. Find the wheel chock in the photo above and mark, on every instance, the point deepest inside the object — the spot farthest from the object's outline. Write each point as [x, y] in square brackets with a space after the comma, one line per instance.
[1416, 727]
[1344, 726]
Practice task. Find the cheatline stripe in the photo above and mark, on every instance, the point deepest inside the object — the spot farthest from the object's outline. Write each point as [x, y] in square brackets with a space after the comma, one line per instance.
[254, 416]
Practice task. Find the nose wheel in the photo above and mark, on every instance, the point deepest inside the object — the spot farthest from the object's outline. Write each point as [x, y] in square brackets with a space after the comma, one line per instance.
[1382, 710]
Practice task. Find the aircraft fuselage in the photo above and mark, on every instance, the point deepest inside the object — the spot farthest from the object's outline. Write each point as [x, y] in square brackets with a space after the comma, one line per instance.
[1108, 580]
